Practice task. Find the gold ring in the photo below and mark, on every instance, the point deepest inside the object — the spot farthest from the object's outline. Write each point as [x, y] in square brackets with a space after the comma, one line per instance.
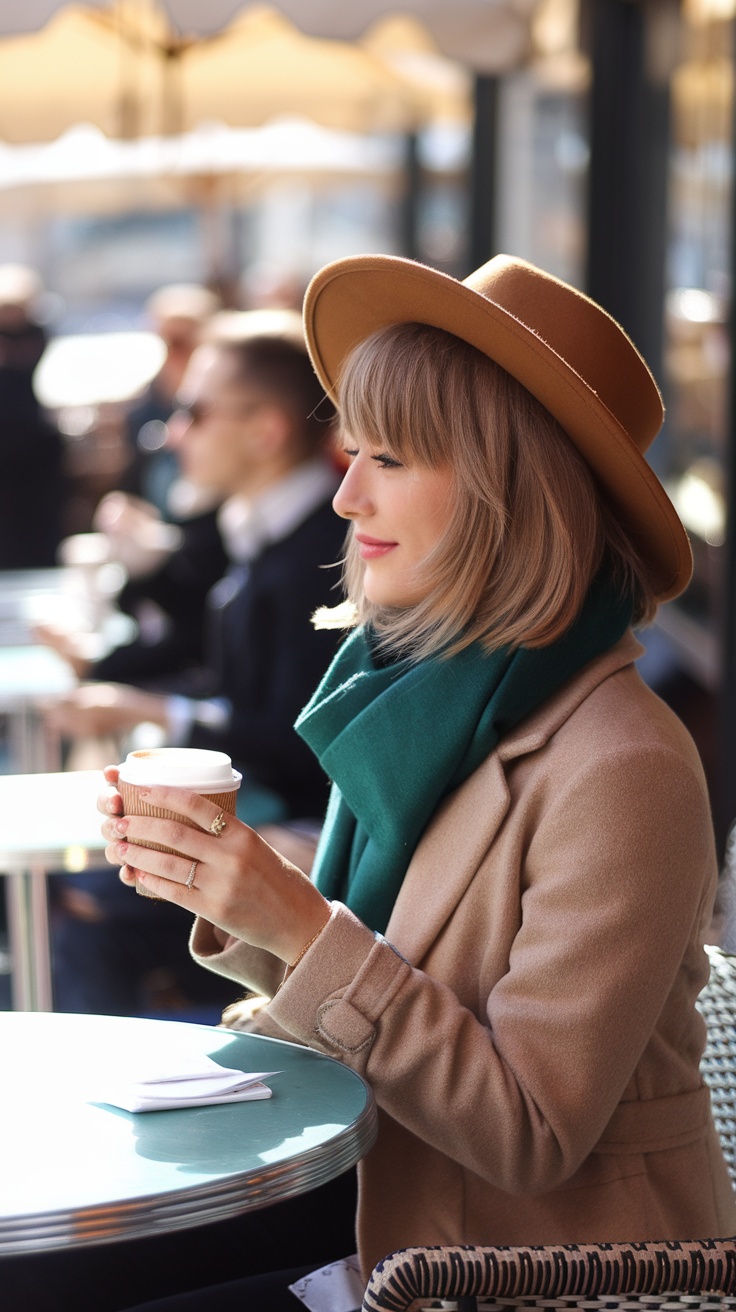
[190, 876]
[218, 824]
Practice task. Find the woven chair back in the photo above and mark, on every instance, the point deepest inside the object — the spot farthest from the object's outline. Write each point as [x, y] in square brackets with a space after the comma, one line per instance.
[637, 1277]
[717, 1004]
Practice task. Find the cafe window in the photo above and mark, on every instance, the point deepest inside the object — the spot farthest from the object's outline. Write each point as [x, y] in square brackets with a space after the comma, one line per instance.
[691, 455]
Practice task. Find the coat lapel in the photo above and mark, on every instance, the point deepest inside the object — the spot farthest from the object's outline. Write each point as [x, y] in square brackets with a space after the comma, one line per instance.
[447, 857]
[465, 826]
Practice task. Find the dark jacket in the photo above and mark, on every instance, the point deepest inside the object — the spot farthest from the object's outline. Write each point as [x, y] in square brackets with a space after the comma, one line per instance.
[266, 658]
[178, 590]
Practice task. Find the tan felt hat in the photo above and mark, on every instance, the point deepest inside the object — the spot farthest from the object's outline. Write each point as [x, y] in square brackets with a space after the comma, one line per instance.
[568, 352]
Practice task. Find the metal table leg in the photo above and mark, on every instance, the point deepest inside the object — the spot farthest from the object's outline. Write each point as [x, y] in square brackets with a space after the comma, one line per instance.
[33, 746]
[28, 932]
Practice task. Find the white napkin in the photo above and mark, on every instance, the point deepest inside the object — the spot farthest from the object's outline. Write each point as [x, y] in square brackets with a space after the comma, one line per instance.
[338, 1287]
[184, 1079]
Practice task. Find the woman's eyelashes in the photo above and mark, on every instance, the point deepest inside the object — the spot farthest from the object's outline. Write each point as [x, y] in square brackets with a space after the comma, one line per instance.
[381, 458]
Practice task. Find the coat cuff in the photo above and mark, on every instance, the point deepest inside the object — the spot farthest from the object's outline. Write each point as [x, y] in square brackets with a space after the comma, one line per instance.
[341, 987]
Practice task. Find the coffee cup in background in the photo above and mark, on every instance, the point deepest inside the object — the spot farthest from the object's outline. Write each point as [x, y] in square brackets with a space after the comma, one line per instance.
[209, 773]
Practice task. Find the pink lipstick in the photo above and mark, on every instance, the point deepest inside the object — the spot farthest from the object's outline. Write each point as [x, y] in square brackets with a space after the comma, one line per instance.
[372, 548]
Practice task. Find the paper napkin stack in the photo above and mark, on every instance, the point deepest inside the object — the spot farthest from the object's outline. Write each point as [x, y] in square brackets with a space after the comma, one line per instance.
[193, 1080]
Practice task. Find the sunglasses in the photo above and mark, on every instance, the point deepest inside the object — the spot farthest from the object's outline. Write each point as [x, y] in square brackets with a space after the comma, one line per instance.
[196, 413]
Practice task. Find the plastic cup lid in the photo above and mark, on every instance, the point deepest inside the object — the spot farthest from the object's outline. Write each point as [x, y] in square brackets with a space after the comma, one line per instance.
[181, 767]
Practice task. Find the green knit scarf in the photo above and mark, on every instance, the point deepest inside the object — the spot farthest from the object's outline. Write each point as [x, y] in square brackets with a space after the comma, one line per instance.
[395, 739]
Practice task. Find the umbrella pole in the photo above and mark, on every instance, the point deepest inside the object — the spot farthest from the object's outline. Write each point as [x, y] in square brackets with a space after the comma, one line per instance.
[409, 221]
[220, 257]
[483, 166]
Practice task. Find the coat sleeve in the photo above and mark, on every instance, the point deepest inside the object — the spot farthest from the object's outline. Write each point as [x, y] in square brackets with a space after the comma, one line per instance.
[616, 876]
[258, 971]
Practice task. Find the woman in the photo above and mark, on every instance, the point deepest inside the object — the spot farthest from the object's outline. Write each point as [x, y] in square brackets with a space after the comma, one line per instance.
[519, 815]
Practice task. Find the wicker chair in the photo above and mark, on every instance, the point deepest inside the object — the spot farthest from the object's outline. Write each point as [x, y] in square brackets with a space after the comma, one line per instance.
[717, 1003]
[673, 1276]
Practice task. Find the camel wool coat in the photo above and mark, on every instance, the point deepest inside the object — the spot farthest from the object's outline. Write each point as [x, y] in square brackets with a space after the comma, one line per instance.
[528, 1023]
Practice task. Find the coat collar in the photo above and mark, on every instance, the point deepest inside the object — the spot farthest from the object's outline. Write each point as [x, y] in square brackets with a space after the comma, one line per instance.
[539, 727]
[457, 839]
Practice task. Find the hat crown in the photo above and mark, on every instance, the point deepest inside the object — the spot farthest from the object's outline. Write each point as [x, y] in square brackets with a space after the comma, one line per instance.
[587, 339]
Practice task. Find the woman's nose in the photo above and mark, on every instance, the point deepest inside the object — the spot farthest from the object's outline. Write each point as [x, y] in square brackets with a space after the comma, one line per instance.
[351, 498]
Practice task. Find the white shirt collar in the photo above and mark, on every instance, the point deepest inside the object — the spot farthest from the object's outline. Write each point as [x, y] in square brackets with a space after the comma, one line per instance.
[249, 525]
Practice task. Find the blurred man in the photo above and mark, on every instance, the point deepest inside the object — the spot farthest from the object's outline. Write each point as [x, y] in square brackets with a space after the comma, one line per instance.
[254, 425]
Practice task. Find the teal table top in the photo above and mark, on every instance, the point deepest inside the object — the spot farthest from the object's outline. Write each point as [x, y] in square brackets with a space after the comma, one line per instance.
[75, 1171]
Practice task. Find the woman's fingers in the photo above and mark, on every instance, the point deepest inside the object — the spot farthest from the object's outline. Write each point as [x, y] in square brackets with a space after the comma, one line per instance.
[183, 802]
[113, 829]
[109, 801]
[164, 866]
[190, 842]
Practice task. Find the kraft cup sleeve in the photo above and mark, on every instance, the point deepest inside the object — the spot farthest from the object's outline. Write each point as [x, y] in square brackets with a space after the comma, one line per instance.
[134, 805]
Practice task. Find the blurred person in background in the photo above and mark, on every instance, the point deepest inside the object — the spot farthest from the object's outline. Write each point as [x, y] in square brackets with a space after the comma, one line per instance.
[160, 527]
[170, 569]
[32, 491]
[179, 315]
[253, 425]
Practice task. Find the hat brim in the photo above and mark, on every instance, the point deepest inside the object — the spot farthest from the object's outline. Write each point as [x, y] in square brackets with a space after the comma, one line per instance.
[352, 298]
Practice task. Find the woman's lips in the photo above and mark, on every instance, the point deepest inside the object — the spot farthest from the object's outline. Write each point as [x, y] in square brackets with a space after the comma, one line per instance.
[372, 548]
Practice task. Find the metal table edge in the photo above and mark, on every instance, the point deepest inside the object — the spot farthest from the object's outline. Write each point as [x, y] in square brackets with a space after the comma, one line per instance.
[178, 1210]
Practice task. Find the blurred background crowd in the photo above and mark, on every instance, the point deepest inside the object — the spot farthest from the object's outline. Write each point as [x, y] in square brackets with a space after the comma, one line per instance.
[168, 168]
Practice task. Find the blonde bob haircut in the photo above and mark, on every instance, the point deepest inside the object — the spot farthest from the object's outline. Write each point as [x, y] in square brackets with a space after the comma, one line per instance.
[529, 528]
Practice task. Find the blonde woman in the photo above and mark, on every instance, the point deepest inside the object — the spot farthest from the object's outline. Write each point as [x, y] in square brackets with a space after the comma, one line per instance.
[504, 929]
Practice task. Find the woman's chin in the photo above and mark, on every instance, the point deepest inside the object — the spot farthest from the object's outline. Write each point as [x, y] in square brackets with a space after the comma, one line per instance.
[392, 598]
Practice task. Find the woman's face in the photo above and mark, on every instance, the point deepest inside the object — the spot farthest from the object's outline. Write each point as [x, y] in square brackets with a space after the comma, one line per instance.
[399, 514]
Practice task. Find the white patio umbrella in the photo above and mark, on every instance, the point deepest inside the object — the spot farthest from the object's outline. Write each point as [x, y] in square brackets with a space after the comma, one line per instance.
[124, 68]
[84, 172]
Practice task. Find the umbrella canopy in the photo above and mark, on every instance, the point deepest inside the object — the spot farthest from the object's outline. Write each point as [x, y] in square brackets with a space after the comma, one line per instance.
[488, 35]
[85, 172]
[122, 67]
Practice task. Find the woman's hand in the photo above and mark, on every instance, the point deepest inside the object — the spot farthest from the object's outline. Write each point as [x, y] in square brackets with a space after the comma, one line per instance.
[240, 883]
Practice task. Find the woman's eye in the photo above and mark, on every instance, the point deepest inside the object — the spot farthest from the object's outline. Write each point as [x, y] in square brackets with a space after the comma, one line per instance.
[387, 462]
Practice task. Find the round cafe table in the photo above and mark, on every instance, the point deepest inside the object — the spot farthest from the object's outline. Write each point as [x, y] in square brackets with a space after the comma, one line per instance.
[79, 1172]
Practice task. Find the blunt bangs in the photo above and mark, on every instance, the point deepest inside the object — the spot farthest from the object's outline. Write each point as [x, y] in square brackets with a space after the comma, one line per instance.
[393, 393]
